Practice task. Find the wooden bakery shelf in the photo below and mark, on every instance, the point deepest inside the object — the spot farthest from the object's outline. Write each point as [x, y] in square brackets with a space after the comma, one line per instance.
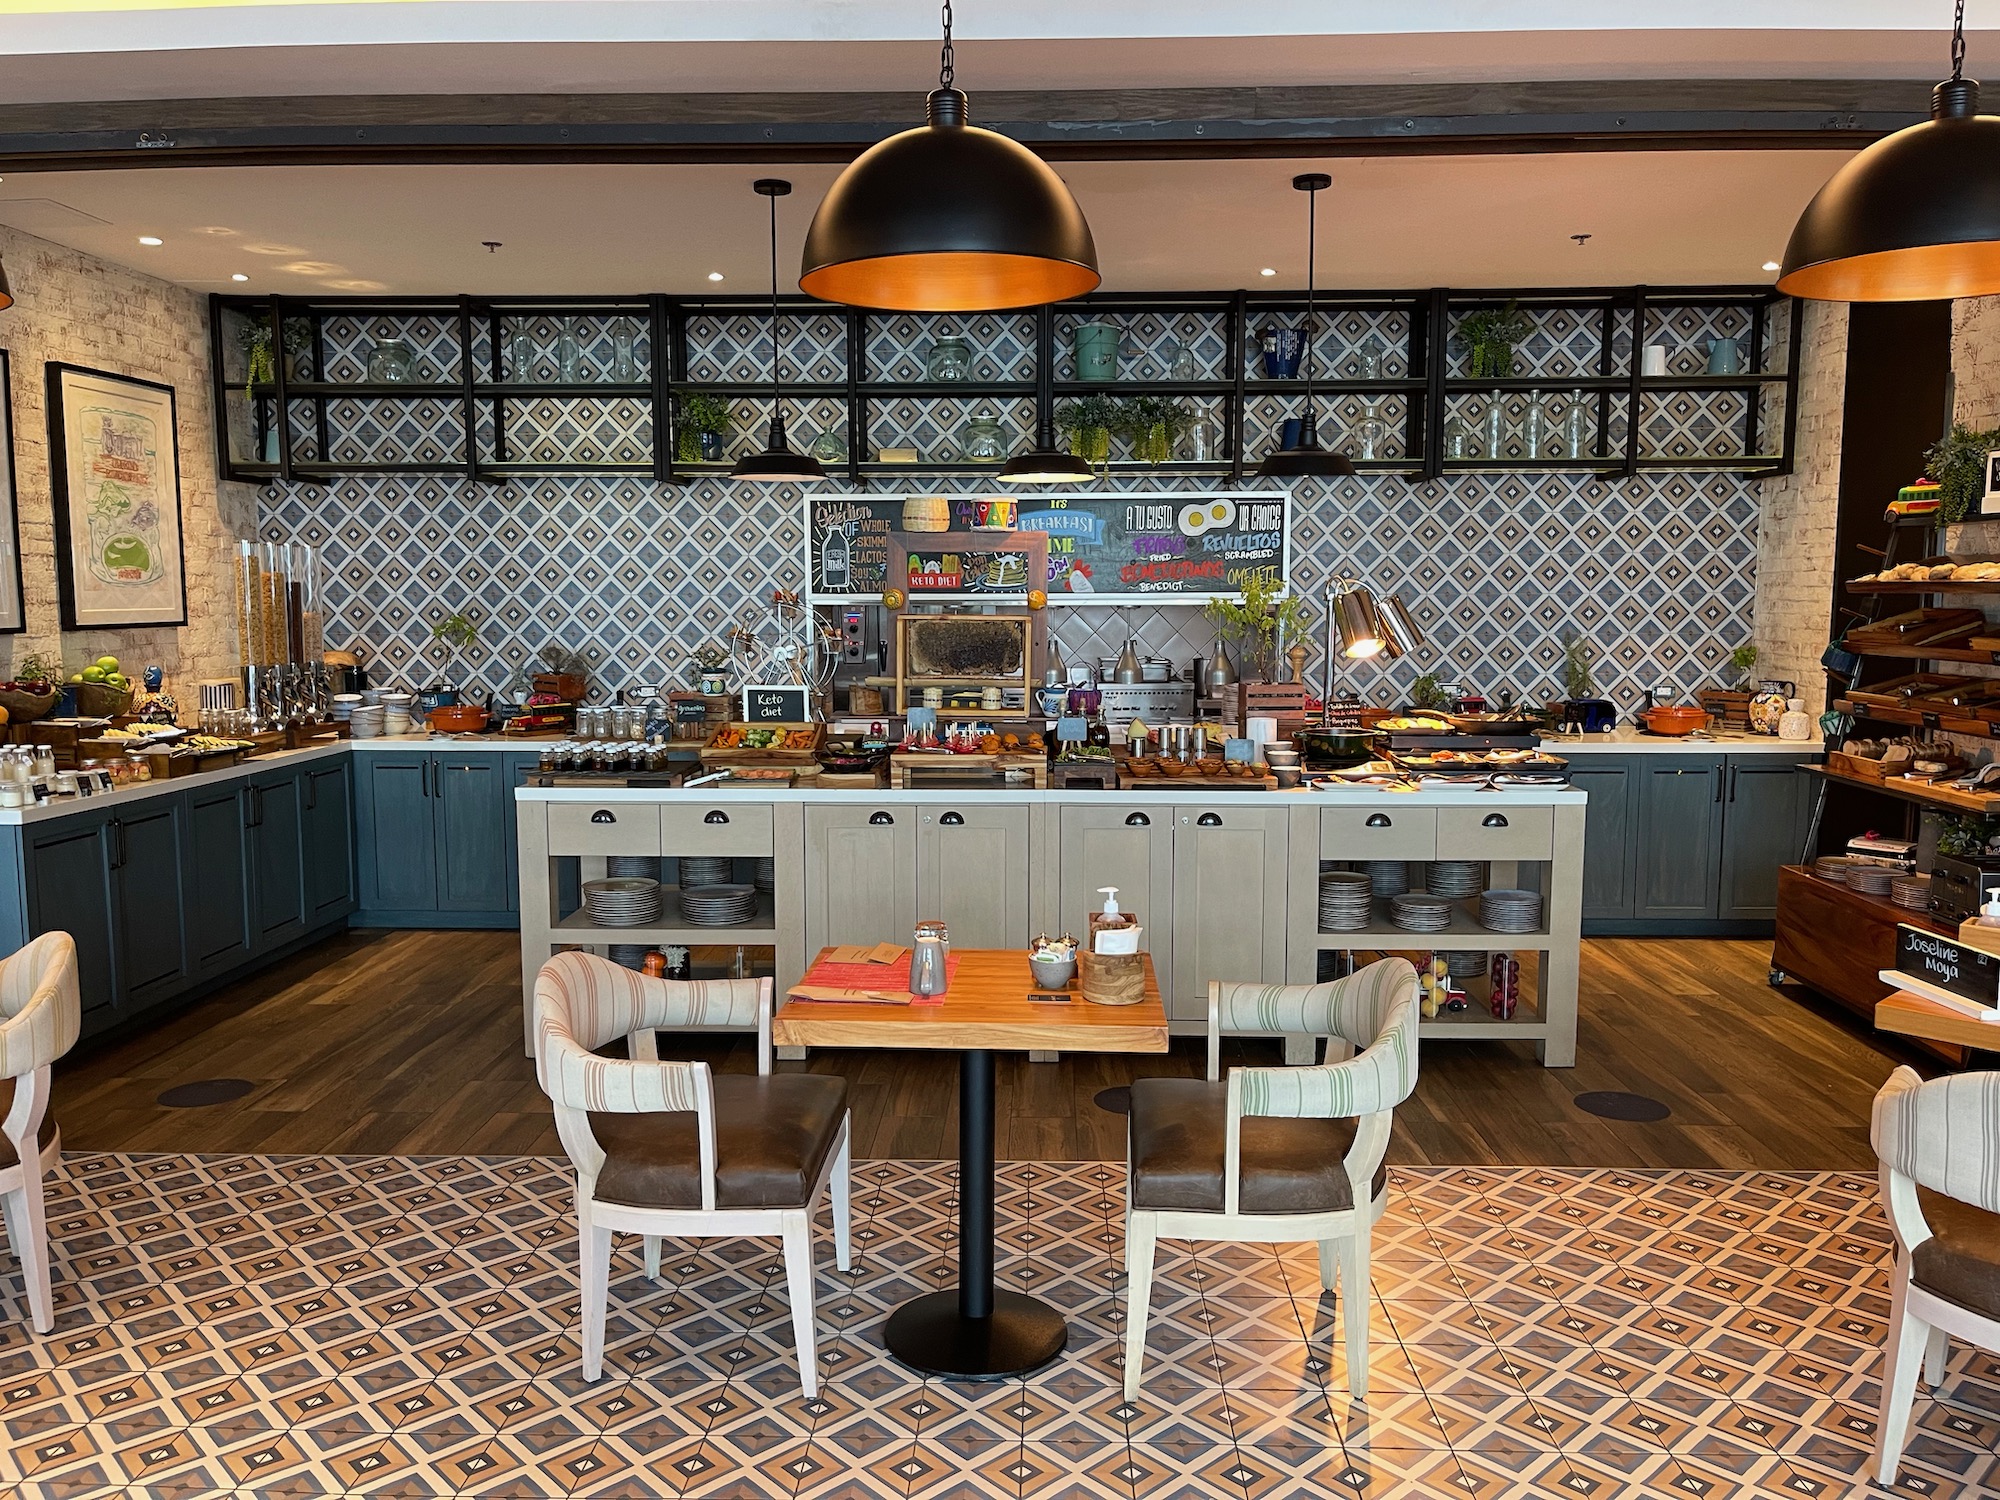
[1938, 586]
[1950, 721]
[1972, 651]
[1985, 804]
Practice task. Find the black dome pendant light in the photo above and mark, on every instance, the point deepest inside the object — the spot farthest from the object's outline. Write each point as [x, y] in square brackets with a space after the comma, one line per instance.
[948, 218]
[1045, 463]
[777, 464]
[1307, 460]
[1916, 216]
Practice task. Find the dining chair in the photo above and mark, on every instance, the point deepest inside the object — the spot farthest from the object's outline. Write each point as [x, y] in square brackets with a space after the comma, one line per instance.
[39, 1016]
[1939, 1146]
[1276, 1154]
[669, 1148]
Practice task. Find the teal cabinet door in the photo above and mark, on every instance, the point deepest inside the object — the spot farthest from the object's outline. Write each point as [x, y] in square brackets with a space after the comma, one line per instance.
[397, 848]
[1680, 835]
[218, 912]
[277, 859]
[328, 789]
[69, 890]
[1607, 833]
[147, 854]
[1765, 806]
[474, 801]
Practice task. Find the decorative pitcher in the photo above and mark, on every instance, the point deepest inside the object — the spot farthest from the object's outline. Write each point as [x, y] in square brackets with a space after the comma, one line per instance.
[1767, 704]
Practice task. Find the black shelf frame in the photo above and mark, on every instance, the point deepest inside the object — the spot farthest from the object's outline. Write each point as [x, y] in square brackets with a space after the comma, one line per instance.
[1427, 386]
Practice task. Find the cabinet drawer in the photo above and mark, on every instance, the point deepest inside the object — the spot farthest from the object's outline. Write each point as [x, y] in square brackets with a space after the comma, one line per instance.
[610, 828]
[736, 829]
[1496, 832]
[1390, 832]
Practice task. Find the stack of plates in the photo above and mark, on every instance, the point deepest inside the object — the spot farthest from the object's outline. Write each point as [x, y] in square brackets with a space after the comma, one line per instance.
[344, 705]
[706, 869]
[1455, 879]
[1465, 963]
[365, 722]
[718, 905]
[1346, 901]
[632, 866]
[1510, 911]
[1832, 867]
[631, 955]
[1872, 880]
[1391, 876]
[1420, 912]
[1911, 892]
[627, 902]
[764, 873]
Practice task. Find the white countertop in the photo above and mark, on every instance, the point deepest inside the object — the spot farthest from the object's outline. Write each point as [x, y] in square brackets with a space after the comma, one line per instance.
[141, 791]
[1639, 742]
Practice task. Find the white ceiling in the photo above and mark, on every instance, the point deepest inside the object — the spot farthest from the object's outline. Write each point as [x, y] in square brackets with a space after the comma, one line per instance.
[1653, 217]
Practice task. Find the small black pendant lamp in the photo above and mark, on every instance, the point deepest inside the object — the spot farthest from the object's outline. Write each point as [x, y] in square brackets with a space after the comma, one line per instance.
[777, 464]
[1045, 463]
[1916, 216]
[6, 291]
[1307, 460]
[948, 218]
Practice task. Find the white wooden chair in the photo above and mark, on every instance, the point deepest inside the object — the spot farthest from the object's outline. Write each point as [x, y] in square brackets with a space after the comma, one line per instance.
[666, 1148]
[1939, 1145]
[1276, 1154]
[39, 1016]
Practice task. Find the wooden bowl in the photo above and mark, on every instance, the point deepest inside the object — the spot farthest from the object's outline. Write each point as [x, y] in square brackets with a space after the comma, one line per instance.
[96, 700]
[1112, 978]
[21, 707]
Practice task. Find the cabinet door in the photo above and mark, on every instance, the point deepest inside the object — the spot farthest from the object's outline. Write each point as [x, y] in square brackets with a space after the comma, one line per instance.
[472, 796]
[861, 875]
[217, 892]
[1131, 848]
[69, 890]
[147, 857]
[329, 841]
[396, 847]
[277, 862]
[1607, 834]
[1680, 835]
[521, 770]
[1229, 901]
[1764, 810]
[972, 873]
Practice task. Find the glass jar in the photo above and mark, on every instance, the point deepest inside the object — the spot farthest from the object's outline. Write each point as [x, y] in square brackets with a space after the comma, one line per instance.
[624, 368]
[1496, 428]
[950, 360]
[391, 362]
[1370, 432]
[1204, 440]
[520, 357]
[980, 440]
[830, 447]
[1457, 440]
[569, 357]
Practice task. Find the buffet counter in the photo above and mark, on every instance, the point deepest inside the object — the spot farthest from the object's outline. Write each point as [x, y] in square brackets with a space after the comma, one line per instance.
[1642, 742]
[1226, 883]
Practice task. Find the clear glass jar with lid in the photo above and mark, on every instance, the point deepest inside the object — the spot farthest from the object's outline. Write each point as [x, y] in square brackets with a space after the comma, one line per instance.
[949, 360]
[980, 440]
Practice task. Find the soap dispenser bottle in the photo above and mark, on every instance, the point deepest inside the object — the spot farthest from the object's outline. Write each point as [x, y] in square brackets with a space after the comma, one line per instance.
[1110, 915]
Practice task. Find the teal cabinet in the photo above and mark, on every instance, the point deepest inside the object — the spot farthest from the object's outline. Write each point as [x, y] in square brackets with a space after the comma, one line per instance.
[218, 894]
[435, 837]
[1608, 843]
[470, 826]
[328, 790]
[276, 864]
[397, 849]
[1680, 836]
[69, 890]
[146, 856]
[1766, 806]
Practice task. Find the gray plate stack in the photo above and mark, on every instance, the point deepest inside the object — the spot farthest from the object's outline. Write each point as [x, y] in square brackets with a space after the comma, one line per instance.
[1417, 911]
[1465, 963]
[1391, 876]
[632, 866]
[1455, 879]
[1346, 901]
[718, 905]
[764, 873]
[631, 955]
[622, 903]
[706, 869]
[1871, 880]
[1510, 911]
[1911, 892]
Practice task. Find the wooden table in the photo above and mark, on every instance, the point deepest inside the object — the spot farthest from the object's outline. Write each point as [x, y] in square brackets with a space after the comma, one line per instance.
[1914, 1015]
[976, 1333]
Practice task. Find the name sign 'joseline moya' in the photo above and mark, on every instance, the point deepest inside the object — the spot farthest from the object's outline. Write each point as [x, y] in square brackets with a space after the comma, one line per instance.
[1949, 965]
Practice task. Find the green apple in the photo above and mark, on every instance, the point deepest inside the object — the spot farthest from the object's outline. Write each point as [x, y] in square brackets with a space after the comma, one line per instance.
[116, 680]
[76, 677]
[92, 673]
[109, 663]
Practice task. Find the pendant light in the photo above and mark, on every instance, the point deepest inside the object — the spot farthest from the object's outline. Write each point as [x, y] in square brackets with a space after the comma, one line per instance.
[1306, 459]
[948, 218]
[1045, 463]
[6, 291]
[1914, 217]
[777, 464]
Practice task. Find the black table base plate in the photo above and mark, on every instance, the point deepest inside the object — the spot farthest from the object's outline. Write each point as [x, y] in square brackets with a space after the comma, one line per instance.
[929, 1336]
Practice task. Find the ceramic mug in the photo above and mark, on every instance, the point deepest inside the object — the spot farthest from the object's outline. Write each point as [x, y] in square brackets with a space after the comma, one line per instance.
[1654, 360]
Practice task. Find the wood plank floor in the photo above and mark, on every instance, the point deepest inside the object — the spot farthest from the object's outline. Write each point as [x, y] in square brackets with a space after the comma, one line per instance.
[409, 1042]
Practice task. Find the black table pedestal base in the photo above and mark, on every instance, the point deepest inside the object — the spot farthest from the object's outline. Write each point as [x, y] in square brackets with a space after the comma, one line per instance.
[933, 1337]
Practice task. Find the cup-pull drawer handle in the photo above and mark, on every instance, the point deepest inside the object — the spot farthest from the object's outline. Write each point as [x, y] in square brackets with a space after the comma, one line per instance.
[1493, 820]
[715, 816]
[1377, 820]
[952, 819]
[880, 819]
[1209, 820]
[1138, 820]
[604, 815]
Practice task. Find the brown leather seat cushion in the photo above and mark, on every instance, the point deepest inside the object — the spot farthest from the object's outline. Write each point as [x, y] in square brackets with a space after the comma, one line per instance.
[772, 1136]
[1288, 1166]
[8, 1156]
[1961, 1260]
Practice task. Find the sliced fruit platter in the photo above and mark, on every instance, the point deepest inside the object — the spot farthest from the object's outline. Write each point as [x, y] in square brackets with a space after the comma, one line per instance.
[1478, 760]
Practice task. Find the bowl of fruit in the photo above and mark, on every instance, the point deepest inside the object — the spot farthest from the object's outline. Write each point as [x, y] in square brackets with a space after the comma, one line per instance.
[33, 689]
[102, 689]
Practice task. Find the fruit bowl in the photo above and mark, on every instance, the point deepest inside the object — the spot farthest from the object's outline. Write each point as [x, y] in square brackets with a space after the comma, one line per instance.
[23, 705]
[100, 700]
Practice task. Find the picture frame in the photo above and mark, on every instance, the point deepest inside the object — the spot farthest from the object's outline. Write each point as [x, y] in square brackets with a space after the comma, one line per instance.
[1989, 502]
[13, 596]
[115, 481]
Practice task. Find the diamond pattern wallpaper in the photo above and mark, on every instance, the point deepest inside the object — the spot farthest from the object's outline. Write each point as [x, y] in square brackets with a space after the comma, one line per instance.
[1656, 571]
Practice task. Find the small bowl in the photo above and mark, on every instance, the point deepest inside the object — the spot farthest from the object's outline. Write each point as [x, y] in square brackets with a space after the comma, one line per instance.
[1287, 777]
[1051, 973]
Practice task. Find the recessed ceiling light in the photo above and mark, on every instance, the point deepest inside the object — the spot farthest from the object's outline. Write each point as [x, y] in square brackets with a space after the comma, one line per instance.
[1770, 265]
[151, 239]
[238, 276]
[715, 276]
[1268, 271]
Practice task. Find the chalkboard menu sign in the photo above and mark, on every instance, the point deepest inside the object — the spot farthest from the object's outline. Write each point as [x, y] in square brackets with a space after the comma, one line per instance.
[1949, 965]
[777, 703]
[1103, 548]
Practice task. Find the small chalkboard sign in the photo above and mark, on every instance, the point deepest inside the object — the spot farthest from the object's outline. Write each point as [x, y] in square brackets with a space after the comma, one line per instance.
[1949, 965]
[777, 703]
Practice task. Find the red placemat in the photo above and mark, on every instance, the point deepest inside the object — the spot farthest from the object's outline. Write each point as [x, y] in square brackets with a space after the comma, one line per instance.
[876, 977]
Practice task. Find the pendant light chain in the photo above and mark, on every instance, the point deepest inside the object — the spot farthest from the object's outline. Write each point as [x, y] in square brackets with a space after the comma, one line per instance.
[1957, 41]
[1312, 261]
[777, 349]
[946, 72]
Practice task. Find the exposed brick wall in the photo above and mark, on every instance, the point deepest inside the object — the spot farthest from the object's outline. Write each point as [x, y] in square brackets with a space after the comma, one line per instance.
[1796, 527]
[1975, 361]
[76, 309]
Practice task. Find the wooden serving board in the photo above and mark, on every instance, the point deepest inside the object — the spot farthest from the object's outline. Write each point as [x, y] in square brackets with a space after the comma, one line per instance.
[1035, 762]
[713, 754]
[1134, 778]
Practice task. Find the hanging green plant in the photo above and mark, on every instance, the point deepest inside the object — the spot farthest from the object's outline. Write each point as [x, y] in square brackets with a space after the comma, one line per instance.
[1087, 424]
[1957, 462]
[1152, 425]
[1576, 664]
[253, 337]
[695, 413]
[1489, 336]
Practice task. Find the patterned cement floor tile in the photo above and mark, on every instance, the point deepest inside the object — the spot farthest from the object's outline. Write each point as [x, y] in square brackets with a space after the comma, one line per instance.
[314, 1328]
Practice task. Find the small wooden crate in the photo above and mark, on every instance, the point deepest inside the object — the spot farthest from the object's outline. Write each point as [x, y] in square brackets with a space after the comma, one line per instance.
[1729, 708]
[329, 732]
[166, 766]
[1283, 701]
[1031, 761]
[1857, 766]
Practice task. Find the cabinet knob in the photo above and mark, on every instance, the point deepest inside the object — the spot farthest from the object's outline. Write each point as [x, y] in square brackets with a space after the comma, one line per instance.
[952, 819]
[715, 815]
[1493, 820]
[604, 815]
[880, 819]
[1376, 820]
[1138, 820]
[1209, 820]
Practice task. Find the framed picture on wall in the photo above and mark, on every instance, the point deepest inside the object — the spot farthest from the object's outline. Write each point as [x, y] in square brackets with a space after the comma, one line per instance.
[115, 477]
[1989, 503]
[13, 610]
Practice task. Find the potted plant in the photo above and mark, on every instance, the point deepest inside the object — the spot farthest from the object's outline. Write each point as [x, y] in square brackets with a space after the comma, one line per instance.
[1152, 425]
[712, 662]
[253, 336]
[458, 634]
[1489, 336]
[1087, 423]
[1957, 462]
[1741, 660]
[1256, 622]
[700, 420]
[1427, 693]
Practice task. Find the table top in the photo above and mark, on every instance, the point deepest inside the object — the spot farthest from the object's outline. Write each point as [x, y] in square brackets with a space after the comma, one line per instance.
[1913, 1015]
[987, 1008]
